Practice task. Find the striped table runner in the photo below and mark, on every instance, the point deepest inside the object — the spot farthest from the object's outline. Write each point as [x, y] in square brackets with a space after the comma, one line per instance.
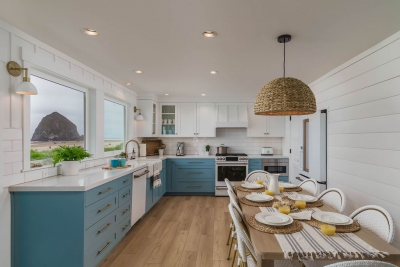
[310, 243]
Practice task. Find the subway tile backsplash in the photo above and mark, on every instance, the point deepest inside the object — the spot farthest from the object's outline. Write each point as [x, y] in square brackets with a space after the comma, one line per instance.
[234, 138]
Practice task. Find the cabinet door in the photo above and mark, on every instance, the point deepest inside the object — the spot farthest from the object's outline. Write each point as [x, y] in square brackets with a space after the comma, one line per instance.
[169, 121]
[205, 120]
[149, 194]
[257, 124]
[186, 119]
[276, 126]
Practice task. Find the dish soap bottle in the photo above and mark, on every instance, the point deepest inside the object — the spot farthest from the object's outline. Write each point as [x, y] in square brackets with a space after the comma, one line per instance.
[133, 156]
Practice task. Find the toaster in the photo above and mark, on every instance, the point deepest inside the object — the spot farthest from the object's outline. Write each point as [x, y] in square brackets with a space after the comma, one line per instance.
[267, 151]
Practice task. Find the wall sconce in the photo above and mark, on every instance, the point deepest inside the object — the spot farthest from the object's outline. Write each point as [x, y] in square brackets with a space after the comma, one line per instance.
[26, 87]
[138, 117]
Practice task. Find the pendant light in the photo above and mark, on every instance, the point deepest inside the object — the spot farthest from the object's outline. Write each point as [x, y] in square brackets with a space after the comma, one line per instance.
[285, 96]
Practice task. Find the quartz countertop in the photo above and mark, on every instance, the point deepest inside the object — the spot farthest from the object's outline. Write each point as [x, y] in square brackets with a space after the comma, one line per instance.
[252, 156]
[85, 180]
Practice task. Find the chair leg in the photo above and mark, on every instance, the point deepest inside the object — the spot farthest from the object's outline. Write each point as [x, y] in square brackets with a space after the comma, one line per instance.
[229, 235]
[230, 248]
[234, 257]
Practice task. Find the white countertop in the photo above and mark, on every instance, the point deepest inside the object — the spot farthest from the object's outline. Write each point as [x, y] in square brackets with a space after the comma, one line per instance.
[255, 156]
[85, 180]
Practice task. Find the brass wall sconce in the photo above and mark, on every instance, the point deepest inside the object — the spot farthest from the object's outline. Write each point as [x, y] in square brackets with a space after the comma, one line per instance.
[138, 117]
[25, 87]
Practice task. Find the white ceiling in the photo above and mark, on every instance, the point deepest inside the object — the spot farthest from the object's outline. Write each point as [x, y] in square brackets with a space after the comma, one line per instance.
[163, 38]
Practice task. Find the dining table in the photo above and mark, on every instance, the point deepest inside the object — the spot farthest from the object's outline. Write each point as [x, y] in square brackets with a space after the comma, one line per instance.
[268, 249]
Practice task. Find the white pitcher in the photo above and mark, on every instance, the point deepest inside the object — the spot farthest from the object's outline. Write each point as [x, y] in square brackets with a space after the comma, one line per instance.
[274, 183]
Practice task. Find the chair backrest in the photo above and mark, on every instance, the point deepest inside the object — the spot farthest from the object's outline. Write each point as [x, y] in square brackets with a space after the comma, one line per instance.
[362, 263]
[254, 175]
[242, 236]
[234, 201]
[334, 198]
[377, 220]
[310, 186]
[229, 185]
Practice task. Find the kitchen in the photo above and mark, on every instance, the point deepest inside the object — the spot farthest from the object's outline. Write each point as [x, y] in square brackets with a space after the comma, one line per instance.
[171, 209]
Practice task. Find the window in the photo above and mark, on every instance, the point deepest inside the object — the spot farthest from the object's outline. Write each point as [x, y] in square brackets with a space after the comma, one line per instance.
[57, 118]
[114, 126]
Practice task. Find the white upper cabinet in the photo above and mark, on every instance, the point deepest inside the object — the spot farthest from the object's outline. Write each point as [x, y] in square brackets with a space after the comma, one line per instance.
[186, 119]
[231, 115]
[169, 121]
[148, 126]
[205, 120]
[265, 126]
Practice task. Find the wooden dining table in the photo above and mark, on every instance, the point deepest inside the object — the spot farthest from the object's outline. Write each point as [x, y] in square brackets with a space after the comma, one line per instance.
[267, 247]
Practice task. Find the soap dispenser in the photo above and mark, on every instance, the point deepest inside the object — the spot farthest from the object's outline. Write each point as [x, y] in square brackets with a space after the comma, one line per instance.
[133, 156]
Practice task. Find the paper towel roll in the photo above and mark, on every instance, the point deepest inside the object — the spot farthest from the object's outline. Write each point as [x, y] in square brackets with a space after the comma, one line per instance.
[143, 150]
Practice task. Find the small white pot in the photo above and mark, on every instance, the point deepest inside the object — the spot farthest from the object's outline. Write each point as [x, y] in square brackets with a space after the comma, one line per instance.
[207, 153]
[161, 152]
[70, 167]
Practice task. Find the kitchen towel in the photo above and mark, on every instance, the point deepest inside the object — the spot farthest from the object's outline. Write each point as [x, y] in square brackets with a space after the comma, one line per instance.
[156, 181]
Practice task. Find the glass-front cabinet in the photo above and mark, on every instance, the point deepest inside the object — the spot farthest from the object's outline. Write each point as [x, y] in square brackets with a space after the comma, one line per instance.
[168, 119]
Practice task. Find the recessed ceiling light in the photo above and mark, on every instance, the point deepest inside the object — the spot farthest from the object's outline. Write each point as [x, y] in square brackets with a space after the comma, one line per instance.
[209, 34]
[203, 94]
[213, 72]
[166, 94]
[138, 71]
[90, 32]
[128, 84]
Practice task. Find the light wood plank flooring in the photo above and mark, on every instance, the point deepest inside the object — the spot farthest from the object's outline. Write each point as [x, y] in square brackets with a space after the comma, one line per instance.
[178, 231]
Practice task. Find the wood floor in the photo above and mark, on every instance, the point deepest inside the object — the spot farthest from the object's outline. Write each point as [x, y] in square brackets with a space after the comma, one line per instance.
[178, 231]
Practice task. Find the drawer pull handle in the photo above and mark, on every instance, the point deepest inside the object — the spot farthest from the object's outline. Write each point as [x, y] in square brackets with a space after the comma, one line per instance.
[195, 172]
[104, 228]
[102, 250]
[127, 180]
[138, 175]
[103, 209]
[123, 229]
[194, 185]
[127, 194]
[298, 178]
[197, 162]
[105, 191]
[125, 211]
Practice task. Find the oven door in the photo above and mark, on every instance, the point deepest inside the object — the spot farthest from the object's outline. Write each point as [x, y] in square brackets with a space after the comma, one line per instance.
[234, 171]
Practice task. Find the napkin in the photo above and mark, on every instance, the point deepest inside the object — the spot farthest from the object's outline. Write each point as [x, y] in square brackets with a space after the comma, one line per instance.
[304, 215]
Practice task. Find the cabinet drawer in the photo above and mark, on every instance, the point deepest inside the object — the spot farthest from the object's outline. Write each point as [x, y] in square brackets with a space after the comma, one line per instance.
[100, 209]
[100, 229]
[255, 161]
[194, 162]
[125, 180]
[96, 254]
[186, 172]
[124, 194]
[193, 186]
[123, 227]
[124, 211]
[100, 192]
[283, 179]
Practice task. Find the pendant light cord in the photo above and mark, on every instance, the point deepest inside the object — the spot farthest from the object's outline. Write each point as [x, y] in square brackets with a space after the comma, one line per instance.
[284, 58]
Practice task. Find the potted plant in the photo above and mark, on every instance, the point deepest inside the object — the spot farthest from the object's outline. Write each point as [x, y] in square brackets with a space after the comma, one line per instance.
[161, 150]
[208, 150]
[70, 156]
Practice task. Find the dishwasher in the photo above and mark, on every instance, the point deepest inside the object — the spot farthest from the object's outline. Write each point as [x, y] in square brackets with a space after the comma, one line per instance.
[138, 194]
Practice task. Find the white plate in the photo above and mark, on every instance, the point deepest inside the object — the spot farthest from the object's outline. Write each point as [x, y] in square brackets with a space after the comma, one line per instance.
[302, 197]
[273, 218]
[252, 186]
[259, 197]
[332, 217]
[287, 185]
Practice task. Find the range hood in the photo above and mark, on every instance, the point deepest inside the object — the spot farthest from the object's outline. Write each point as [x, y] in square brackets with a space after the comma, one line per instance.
[230, 115]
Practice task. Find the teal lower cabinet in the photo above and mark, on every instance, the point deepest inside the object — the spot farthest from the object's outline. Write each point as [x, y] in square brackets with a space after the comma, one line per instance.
[283, 179]
[153, 195]
[67, 228]
[190, 177]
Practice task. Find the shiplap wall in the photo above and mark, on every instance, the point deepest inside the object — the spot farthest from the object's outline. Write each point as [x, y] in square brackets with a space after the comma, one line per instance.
[363, 100]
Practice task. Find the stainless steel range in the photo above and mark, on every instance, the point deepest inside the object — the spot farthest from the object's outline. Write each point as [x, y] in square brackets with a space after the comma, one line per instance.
[231, 166]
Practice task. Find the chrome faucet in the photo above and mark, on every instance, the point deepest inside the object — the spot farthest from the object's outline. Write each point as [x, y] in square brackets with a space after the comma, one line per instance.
[126, 148]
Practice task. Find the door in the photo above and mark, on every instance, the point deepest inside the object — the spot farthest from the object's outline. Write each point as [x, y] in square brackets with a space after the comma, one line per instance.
[138, 197]
[257, 124]
[186, 119]
[276, 126]
[205, 120]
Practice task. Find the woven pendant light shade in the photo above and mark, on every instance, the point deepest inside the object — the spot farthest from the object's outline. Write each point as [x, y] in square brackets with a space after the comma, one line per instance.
[285, 96]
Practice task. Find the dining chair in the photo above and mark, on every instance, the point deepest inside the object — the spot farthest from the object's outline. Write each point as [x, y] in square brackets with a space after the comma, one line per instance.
[262, 175]
[247, 255]
[229, 185]
[334, 198]
[310, 186]
[377, 220]
[362, 263]
[232, 233]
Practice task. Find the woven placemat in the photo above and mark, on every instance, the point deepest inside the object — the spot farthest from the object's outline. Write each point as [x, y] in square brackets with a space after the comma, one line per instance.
[296, 189]
[318, 203]
[244, 200]
[354, 227]
[287, 229]
[249, 190]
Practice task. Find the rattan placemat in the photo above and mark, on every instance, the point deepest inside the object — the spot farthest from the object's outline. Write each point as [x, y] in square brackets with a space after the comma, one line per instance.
[354, 227]
[318, 203]
[249, 190]
[244, 200]
[296, 189]
[287, 229]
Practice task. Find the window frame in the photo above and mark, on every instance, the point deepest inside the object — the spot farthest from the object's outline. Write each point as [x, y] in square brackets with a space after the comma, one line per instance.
[116, 152]
[27, 113]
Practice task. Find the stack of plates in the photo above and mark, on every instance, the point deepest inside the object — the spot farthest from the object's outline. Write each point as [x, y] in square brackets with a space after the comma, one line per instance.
[305, 198]
[252, 186]
[287, 185]
[273, 218]
[332, 218]
[259, 197]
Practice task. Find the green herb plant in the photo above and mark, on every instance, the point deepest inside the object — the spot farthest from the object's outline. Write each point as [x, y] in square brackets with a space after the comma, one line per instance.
[69, 153]
[208, 147]
[163, 146]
